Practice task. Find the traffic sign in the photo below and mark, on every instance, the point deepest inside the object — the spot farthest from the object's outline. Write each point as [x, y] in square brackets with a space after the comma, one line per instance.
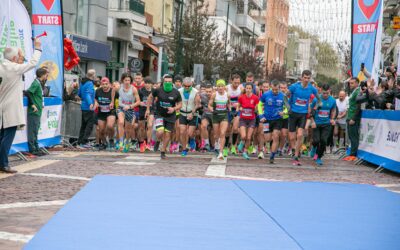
[396, 23]
[115, 65]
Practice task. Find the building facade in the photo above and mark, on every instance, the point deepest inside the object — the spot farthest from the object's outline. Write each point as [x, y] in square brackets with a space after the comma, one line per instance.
[85, 23]
[162, 12]
[276, 21]
[238, 21]
[300, 55]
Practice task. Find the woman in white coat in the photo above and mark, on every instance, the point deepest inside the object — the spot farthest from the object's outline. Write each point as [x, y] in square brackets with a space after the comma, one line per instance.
[12, 116]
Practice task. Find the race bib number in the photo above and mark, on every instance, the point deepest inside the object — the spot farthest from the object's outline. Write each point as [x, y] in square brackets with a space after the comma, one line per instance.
[266, 127]
[159, 122]
[104, 108]
[247, 112]
[220, 106]
[126, 102]
[323, 114]
[301, 102]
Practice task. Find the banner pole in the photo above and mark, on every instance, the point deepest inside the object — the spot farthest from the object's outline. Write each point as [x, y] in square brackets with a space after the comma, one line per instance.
[351, 41]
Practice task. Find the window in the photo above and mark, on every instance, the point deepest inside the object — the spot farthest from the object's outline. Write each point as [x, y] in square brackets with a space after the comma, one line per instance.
[82, 20]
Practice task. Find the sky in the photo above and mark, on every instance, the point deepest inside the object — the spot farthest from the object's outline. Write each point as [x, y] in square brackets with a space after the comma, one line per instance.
[329, 19]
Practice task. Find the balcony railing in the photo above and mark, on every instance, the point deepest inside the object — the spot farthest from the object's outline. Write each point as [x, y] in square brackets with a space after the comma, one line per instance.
[136, 6]
[248, 24]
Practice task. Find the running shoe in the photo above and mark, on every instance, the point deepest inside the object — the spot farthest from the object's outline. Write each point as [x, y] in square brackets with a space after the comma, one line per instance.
[261, 155]
[207, 148]
[246, 156]
[225, 152]
[192, 144]
[147, 146]
[250, 149]
[319, 161]
[156, 146]
[296, 162]
[240, 147]
[163, 156]
[184, 152]
[119, 146]
[280, 153]
[142, 147]
[313, 151]
[202, 144]
[271, 160]
[220, 156]
[233, 150]
[96, 146]
[171, 148]
[127, 146]
[254, 150]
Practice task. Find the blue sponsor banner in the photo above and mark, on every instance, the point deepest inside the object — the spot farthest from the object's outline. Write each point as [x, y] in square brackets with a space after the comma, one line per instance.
[86, 48]
[380, 138]
[366, 15]
[46, 17]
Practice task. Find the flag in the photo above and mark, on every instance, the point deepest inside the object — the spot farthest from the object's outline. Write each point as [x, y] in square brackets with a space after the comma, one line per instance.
[46, 16]
[16, 31]
[366, 36]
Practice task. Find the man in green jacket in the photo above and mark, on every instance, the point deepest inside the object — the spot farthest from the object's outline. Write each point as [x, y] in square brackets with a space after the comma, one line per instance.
[35, 108]
[353, 118]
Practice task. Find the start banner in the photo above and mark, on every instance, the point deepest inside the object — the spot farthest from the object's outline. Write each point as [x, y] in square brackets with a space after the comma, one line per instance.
[380, 138]
[366, 37]
[46, 17]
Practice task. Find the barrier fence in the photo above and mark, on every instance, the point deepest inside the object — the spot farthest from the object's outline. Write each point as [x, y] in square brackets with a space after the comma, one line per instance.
[380, 138]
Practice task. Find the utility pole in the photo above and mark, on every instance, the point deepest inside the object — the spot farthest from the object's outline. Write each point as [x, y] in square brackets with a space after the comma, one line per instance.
[226, 30]
[178, 55]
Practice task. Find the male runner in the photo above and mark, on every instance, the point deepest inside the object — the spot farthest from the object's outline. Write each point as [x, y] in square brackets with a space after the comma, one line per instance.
[145, 131]
[324, 117]
[188, 117]
[300, 93]
[206, 118]
[168, 102]
[274, 101]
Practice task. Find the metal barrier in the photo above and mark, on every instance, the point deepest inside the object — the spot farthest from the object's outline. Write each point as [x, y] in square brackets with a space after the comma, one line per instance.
[71, 123]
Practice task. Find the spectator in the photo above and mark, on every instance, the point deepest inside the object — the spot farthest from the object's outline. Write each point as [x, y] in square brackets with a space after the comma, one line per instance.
[35, 107]
[353, 118]
[86, 93]
[342, 104]
[11, 104]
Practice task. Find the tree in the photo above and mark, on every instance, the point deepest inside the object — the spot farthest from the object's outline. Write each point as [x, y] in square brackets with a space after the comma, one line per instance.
[201, 42]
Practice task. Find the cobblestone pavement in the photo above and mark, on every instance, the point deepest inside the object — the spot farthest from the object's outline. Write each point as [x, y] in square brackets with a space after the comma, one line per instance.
[42, 186]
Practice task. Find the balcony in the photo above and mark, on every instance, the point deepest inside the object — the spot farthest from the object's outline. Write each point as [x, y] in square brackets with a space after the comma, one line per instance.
[127, 9]
[248, 24]
[136, 6]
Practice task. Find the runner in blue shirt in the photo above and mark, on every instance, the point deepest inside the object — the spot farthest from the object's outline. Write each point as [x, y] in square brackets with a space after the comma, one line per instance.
[300, 93]
[273, 101]
[323, 115]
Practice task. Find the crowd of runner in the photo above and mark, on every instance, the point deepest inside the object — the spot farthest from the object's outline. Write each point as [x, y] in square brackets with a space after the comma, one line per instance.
[231, 118]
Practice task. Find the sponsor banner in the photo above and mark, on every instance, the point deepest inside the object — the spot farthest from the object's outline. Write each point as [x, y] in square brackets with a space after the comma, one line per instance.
[367, 26]
[50, 126]
[16, 31]
[380, 138]
[46, 17]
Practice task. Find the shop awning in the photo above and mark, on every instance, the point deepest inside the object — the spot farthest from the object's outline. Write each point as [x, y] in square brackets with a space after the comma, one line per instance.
[152, 47]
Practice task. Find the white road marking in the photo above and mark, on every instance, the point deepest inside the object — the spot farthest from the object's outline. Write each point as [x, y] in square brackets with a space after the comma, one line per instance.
[15, 237]
[33, 204]
[58, 176]
[216, 160]
[30, 166]
[70, 154]
[216, 170]
[135, 163]
[143, 157]
[249, 178]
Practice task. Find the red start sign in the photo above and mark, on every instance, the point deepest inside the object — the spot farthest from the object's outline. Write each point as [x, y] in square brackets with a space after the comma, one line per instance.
[46, 19]
[364, 28]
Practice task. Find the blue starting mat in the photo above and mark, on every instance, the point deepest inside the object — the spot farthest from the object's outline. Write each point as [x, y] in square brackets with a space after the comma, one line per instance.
[127, 212]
